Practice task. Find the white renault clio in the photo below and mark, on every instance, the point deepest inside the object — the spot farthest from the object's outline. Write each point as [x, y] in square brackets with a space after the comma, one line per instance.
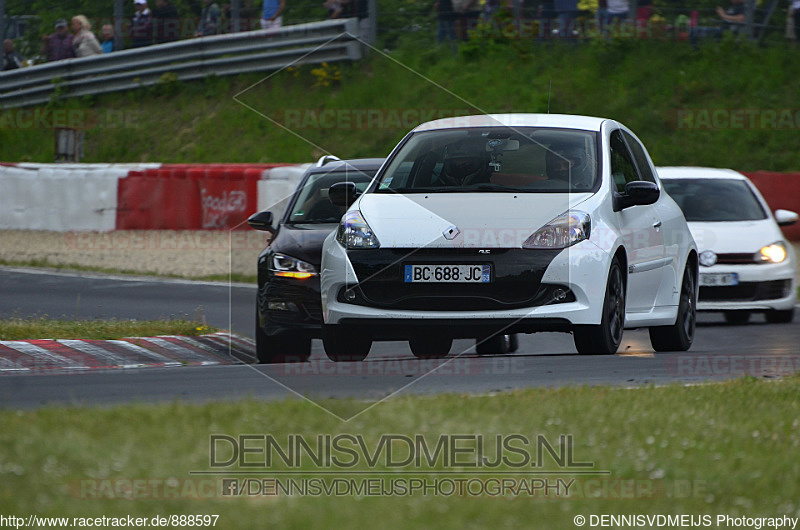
[485, 226]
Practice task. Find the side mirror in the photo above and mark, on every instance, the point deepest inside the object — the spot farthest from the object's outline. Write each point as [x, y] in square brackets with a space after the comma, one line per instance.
[637, 193]
[785, 217]
[343, 193]
[261, 221]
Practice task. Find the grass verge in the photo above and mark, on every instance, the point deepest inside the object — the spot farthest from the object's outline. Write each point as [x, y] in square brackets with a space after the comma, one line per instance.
[46, 264]
[43, 328]
[713, 449]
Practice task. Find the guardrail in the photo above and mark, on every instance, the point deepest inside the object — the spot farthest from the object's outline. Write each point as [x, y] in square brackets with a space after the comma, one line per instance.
[235, 53]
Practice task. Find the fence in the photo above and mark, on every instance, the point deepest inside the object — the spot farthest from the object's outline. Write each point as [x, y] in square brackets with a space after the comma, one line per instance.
[236, 53]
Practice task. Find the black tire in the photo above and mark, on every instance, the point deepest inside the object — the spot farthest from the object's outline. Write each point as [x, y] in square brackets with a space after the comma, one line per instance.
[496, 345]
[737, 317]
[680, 335]
[604, 339]
[777, 316]
[343, 347]
[275, 349]
[513, 343]
[430, 347]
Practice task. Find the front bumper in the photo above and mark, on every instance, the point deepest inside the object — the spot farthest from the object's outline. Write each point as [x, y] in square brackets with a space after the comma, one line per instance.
[518, 298]
[762, 287]
[287, 305]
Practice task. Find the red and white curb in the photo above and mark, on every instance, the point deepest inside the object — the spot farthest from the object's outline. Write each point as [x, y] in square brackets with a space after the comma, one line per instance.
[72, 355]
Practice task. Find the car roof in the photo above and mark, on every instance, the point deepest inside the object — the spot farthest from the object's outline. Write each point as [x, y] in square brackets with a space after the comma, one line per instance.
[363, 164]
[698, 173]
[565, 121]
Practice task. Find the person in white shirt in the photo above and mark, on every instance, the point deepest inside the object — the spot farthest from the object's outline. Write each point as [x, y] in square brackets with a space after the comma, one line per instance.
[84, 43]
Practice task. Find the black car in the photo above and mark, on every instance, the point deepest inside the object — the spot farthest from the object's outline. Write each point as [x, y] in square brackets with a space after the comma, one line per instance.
[288, 308]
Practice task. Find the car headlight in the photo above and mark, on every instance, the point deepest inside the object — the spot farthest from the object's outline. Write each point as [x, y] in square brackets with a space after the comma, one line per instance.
[563, 231]
[354, 232]
[289, 267]
[774, 253]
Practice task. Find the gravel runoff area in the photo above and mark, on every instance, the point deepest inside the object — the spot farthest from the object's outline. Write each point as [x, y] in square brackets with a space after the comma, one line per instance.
[188, 253]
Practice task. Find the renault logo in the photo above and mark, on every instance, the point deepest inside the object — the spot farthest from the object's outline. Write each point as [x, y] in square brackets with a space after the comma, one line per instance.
[451, 232]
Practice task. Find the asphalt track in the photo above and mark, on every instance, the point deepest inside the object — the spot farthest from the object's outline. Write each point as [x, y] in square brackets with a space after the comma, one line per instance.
[720, 351]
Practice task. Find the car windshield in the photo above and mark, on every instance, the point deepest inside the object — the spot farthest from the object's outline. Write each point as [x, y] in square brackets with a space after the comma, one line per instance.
[494, 159]
[312, 205]
[709, 200]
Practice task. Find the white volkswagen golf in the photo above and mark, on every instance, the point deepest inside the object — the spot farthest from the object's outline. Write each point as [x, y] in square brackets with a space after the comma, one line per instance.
[485, 226]
[746, 264]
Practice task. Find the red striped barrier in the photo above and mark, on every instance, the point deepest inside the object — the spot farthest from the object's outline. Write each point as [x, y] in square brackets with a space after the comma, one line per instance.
[191, 197]
[781, 191]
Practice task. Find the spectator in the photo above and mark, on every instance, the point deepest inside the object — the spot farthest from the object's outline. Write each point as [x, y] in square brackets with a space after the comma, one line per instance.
[601, 16]
[58, 45]
[84, 42]
[617, 12]
[209, 19]
[795, 11]
[248, 16]
[644, 10]
[566, 12]
[734, 16]
[165, 22]
[108, 38]
[272, 15]
[731, 19]
[335, 8]
[142, 26]
[11, 57]
[466, 15]
[447, 17]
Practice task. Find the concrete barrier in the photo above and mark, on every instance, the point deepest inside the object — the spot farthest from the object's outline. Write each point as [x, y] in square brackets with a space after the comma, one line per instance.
[58, 198]
[276, 188]
[152, 196]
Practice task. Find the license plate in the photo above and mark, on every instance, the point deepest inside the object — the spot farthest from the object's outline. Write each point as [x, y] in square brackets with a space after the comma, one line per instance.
[719, 279]
[447, 274]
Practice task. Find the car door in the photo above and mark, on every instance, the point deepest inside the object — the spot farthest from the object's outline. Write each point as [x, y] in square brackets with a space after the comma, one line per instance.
[640, 227]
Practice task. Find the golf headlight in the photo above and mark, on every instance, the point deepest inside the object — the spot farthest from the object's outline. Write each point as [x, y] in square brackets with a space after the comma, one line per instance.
[563, 231]
[354, 232]
[289, 267]
[774, 253]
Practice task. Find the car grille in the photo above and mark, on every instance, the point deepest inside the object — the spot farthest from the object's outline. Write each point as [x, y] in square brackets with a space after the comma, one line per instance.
[746, 291]
[517, 276]
[741, 258]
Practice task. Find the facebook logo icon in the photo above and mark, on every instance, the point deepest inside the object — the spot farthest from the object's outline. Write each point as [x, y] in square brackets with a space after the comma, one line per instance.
[230, 486]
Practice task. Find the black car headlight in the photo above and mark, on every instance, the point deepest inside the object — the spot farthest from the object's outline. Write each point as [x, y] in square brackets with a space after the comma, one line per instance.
[289, 267]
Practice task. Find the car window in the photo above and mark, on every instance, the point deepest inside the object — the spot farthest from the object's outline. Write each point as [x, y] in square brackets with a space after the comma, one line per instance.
[642, 164]
[312, 204]
[523, 159]
[623, 169]
[714, 199]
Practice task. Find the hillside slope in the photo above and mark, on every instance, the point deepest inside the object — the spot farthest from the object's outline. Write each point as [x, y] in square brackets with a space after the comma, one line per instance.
[728, 104]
